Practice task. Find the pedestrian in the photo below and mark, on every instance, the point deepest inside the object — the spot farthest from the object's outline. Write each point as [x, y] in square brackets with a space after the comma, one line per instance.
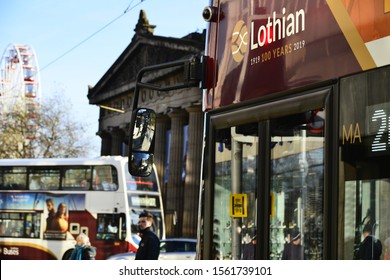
[149, 246]
[248, 252]
[83, 249]
[293, 250]
[371, 247]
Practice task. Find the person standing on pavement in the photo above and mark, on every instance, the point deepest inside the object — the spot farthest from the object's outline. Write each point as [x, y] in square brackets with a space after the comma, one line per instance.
[83, 249]
[149, 246]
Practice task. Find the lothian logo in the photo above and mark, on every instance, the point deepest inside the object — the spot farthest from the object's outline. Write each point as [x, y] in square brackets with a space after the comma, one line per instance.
[278, 26]
[239, 41]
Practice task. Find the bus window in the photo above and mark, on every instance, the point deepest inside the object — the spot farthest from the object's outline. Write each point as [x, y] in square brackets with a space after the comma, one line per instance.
[13, 178]
[35, 183]
[235, 174]
[46, 178]
[105, 178]
[111, 227]
[77, 178]
[25, 225]
[135, 183]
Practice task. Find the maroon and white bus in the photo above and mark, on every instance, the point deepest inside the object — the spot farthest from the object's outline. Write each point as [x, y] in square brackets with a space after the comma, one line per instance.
[46, 203]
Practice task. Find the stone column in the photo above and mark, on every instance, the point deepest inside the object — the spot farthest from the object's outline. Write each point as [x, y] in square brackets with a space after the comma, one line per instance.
[117, 141]
[105, 148]
[125, 127]
[160, 151]
[193, 167]
[174, 199]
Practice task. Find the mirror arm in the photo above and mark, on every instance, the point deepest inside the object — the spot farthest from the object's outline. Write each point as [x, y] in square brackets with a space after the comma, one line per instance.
[192, 77]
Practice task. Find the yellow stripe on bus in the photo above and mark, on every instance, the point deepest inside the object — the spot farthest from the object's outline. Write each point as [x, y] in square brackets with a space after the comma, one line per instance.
[351, 34]
[29, 245]
[387, 6]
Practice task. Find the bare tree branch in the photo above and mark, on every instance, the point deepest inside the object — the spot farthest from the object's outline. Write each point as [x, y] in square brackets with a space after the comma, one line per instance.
[53, 133]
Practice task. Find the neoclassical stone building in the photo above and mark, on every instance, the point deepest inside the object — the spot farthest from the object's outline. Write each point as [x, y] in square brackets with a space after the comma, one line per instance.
[179, 123]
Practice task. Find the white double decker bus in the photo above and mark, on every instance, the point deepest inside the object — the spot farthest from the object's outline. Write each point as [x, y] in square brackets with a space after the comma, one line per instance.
[46, 203]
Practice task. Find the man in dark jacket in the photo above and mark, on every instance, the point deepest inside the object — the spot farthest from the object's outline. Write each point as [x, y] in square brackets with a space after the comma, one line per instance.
[293, 250]
[149, 246]
[248, 252]
[371, 247]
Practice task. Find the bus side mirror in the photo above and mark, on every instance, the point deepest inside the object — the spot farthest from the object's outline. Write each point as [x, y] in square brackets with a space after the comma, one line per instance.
[141, 142]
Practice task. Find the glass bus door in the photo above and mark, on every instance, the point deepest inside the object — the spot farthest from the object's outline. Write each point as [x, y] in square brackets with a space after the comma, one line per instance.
[267, 178]
[235, 194]
[297, 186]
[294, 182]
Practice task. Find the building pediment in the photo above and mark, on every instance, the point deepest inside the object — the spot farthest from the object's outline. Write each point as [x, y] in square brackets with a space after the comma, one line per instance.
[145, 49]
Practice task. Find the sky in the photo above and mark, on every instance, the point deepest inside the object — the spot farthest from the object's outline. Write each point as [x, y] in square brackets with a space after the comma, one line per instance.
[76, 41]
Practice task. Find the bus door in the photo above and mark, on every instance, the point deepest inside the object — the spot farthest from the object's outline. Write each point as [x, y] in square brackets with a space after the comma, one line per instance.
[364, 141]
[235, 194]
[297, 186]
[268, 180]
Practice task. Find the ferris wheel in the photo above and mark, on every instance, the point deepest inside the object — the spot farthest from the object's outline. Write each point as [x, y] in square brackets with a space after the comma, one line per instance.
[19, 80]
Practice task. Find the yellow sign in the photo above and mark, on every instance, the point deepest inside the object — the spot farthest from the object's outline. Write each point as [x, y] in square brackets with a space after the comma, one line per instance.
[238, 205]
[387, 6]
